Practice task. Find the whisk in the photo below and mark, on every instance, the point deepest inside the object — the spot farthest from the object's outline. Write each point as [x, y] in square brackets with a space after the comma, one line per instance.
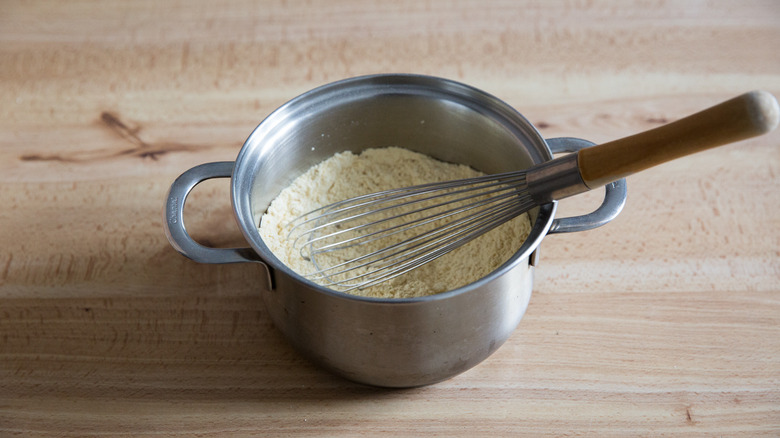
[370, 239]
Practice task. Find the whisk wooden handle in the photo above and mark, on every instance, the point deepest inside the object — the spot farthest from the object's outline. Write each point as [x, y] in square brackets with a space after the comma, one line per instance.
[740, 118]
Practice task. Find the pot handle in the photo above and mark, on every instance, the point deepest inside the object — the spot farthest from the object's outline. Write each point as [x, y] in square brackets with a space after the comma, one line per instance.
[614, 196]
[174, 217]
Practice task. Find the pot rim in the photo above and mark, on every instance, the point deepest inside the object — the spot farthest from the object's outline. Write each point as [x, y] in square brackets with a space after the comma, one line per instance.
[241, 189]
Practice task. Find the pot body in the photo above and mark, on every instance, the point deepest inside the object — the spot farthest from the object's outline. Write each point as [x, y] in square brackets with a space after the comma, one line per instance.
[384, 342]
[400, 344]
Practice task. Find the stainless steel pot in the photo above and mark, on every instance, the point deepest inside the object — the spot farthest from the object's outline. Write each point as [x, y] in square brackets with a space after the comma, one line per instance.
[386, 342]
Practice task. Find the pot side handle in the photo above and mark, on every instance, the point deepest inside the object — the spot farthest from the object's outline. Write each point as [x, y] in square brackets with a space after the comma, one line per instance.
[614, 195]
[174, 217]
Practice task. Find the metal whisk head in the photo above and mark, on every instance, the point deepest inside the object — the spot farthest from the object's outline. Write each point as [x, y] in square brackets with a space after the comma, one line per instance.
[363, 241]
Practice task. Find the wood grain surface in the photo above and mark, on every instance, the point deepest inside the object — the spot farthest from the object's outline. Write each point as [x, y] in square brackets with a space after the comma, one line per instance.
[664, 322]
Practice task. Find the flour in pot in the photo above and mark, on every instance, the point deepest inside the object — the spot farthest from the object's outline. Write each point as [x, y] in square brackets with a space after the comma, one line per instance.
[347, 175]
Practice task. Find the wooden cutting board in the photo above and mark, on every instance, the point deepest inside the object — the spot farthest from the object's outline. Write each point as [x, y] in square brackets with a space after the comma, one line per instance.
[664, 322]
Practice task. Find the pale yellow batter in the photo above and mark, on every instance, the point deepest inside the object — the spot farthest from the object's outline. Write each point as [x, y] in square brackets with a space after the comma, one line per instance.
[346, 175]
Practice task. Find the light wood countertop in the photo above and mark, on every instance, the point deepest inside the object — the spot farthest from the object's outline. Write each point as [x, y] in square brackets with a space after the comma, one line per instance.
[664, 322]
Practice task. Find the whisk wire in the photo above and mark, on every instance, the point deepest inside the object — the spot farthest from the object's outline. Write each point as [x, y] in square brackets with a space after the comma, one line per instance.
[399, 258]
[391, 230]
[372, 200]
[403, 229]
[391, 271]
[421, 239]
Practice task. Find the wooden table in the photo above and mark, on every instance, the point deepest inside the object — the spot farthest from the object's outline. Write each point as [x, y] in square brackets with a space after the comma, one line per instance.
[664, 322]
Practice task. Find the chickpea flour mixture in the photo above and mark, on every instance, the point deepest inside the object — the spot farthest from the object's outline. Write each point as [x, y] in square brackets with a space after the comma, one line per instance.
[346, 175]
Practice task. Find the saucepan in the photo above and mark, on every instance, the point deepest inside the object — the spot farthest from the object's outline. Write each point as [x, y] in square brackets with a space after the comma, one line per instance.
[386, 342]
